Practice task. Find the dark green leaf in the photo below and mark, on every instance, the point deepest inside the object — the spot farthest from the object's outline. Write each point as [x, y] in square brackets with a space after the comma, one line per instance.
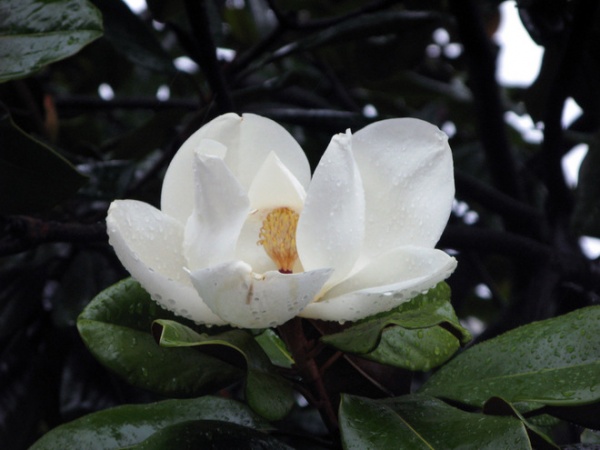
[497, 406]
[210, 434]
[33, 177]
[420, 422]
[131, 37]
[553, 362]
[34, 33]
[275, 348]
[266, 392]
[131, 424]
[418, 335]
[590, 437]
[116, 327]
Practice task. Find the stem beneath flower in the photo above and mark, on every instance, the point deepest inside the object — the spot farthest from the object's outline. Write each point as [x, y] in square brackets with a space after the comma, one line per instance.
[292, 332]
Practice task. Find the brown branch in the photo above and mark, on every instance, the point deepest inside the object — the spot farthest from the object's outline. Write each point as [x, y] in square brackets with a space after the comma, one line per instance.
[21, 233]
[207, 53]
[481, 62]
[94, 103]
[559, 197]
[290, 21]
[471, 188]
[292, 332]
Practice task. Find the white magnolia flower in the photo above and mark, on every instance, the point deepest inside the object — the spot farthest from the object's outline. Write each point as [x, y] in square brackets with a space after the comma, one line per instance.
[245, 236]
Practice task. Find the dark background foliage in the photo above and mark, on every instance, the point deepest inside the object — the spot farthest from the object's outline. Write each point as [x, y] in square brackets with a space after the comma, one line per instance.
[317, 67]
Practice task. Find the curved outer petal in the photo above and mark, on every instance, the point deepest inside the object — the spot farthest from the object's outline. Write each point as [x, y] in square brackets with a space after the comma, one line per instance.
[387, 281]
[407, 173]
[248, 300]
[331, 226]
[249, 139]
[148, 243]
[221, 207]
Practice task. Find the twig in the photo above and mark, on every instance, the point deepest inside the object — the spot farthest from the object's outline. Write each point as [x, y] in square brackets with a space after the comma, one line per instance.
[21, 233]
[291, 22]
[87, 102]
[242, 61]
[292, 332]
[508, 207]
[489, 112]
[200, 23]
[559, 199]
[492, 241]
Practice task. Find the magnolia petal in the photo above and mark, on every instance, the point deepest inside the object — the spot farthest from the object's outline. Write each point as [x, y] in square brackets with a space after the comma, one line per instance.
[275, 186]
[249, 140]
[387, 281]
[177, 199]
[248, 249]
[148, 243]
[248, 300]
[258, 137]
[331, 226]
[221, 207]
[407, 173]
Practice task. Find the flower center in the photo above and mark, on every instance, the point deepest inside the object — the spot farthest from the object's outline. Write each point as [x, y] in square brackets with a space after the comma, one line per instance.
[278, 237]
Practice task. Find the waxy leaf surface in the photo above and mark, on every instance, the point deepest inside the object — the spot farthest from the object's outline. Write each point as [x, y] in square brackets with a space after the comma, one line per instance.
[554, 362]
[116, 327]
[418, 335]
[266, 392]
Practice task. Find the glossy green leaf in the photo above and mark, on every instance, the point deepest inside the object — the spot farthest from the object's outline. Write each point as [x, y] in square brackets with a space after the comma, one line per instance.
[418, 335]
[116, 328]
[33, 176]
[497, 406]
[210, 434]
[34, 33]
[275, 348]
[553, 362]
[590, 436]
[131, 424]
[131, 37]
[266, 392]
[416, 422]
[586, 216]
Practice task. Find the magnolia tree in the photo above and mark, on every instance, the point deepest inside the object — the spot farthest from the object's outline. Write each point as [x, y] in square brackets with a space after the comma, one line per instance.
[240, 225]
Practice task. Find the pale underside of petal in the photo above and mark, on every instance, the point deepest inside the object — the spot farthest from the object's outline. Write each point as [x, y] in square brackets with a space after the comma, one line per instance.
[247, 300]
[149, 244]
[221, 207]
[249, 140]
[276, 186]
[407, 173]
[331, 226]
[387, 281]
